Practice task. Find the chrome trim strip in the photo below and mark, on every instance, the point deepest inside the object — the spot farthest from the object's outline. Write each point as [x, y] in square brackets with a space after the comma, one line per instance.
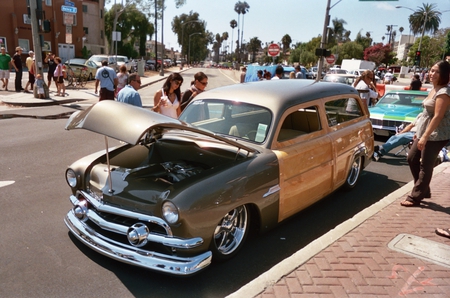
[272, 190]
[118, 211]
[170, 241]
[148, 259]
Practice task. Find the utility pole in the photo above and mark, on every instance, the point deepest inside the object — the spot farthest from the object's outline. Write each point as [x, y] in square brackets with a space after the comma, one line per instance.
[34, 4]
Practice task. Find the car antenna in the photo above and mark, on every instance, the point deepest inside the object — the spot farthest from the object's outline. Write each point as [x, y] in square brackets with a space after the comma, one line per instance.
[110, 190]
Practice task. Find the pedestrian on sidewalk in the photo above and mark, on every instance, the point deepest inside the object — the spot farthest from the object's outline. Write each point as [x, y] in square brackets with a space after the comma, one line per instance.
[30, 65]
[58, 76]
[17, 62]
[50, 60]
[129, 93]
[5, 67]
[106, 77]
[433, 133]
[40, 86]
[122, 78]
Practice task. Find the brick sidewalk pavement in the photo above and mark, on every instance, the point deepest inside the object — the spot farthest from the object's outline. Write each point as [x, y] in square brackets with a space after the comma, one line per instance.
[360, 264]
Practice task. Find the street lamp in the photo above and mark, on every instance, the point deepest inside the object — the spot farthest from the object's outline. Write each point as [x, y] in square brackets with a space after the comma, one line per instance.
[189, 57]
[182, 31]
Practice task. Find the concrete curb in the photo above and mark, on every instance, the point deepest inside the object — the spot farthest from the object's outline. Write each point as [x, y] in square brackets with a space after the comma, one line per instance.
[273, 275]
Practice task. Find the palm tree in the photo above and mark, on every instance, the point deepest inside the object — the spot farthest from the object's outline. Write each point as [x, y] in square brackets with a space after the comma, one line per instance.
[233, 24]
[241, 8]
[338, 31]
[427, 15]
[286, 41]
[254, 46]
[224, 37]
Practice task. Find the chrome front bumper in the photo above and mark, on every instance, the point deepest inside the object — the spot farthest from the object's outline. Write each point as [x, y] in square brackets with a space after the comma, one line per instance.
[129, 254]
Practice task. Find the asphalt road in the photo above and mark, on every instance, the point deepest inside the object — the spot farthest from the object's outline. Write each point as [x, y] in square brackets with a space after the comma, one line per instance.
[39, 258]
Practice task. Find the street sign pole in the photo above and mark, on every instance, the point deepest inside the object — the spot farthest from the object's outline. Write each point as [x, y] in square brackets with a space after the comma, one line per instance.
[37, 47]
[323, 41]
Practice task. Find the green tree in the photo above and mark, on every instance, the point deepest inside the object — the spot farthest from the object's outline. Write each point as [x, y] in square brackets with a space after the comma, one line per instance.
[337, 34]
[184, 25]
[253, 47]
[233, 24]
[349, 50]
[429, 13]
[240, 8]
[133, 26]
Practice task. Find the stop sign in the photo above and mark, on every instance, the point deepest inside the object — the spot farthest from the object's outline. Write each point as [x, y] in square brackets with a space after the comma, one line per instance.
[274, 49]
[330, 59]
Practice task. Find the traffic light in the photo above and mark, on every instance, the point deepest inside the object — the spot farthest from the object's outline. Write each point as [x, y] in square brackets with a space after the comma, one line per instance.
[417, 58]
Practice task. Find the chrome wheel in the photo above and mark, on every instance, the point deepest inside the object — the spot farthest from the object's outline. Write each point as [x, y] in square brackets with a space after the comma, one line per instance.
[230, 233]
[355, 171]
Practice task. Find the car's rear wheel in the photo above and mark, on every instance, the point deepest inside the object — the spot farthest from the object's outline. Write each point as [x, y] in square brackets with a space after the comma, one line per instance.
[230, 233]
[354, 173]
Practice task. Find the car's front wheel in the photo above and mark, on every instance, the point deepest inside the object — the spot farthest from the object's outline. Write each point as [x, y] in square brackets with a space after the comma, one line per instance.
[353, 174]
[230, 233]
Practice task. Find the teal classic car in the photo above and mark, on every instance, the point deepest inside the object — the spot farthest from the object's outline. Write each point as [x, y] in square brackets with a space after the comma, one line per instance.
[396, 108]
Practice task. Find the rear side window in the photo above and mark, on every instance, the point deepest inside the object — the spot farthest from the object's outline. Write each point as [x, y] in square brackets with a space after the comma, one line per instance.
[342, 110]
[300, 122]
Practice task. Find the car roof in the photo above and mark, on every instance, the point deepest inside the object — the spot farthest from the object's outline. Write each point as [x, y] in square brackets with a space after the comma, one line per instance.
[278, 95]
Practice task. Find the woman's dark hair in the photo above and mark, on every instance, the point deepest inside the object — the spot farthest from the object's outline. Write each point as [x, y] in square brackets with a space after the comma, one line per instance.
[199, 76]
[444, 72]
[173, 77]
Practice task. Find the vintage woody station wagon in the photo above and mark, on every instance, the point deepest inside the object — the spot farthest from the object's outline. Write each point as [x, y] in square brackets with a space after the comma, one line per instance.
[179, 193]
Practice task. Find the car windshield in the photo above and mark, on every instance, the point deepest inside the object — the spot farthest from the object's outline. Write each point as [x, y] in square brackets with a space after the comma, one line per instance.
[403, 99]
[340, 79]
[231, 118]
[97, 59]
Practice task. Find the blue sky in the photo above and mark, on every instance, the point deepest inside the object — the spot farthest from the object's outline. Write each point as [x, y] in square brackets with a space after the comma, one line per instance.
[270, 20]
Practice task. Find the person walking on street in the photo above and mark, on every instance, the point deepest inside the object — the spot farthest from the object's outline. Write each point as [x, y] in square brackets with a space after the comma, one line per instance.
[433, 133]
[30, 65]
[50, 60]
[106, 77]
[5, 67]
[17, 62]
[167, 100]
[198, 85]
[129, 94]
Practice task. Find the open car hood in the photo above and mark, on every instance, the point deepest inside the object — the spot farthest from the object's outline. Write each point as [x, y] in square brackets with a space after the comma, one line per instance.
[130, 124]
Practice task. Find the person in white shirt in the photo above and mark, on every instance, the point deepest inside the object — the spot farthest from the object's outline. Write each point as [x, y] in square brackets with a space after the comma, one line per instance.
[365, 86]
[388, 77]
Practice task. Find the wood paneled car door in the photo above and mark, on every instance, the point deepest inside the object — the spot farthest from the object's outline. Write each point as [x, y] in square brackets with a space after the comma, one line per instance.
[305, 156]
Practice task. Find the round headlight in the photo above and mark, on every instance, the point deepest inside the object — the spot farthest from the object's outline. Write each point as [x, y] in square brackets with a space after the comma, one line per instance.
[170, 212]
[71, 178]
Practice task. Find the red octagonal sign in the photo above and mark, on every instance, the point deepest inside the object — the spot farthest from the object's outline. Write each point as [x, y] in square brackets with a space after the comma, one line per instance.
[274, 49]
[330, 59]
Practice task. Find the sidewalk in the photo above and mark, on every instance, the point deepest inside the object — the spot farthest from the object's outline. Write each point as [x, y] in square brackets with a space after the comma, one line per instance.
[73, 94]
[385, 250]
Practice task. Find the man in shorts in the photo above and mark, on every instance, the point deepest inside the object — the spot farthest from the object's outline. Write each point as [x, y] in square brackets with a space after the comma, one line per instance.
[106, 77]
[50, 60]
[5, 66]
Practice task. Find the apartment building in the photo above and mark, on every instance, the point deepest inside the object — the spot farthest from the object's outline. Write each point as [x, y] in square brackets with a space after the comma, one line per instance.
[73, 25]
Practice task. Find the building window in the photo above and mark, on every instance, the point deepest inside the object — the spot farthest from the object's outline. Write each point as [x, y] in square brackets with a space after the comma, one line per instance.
[86, 30]
[85, 8]
[101, 13]
[24, 44]
[48, 2]
[101, 34]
